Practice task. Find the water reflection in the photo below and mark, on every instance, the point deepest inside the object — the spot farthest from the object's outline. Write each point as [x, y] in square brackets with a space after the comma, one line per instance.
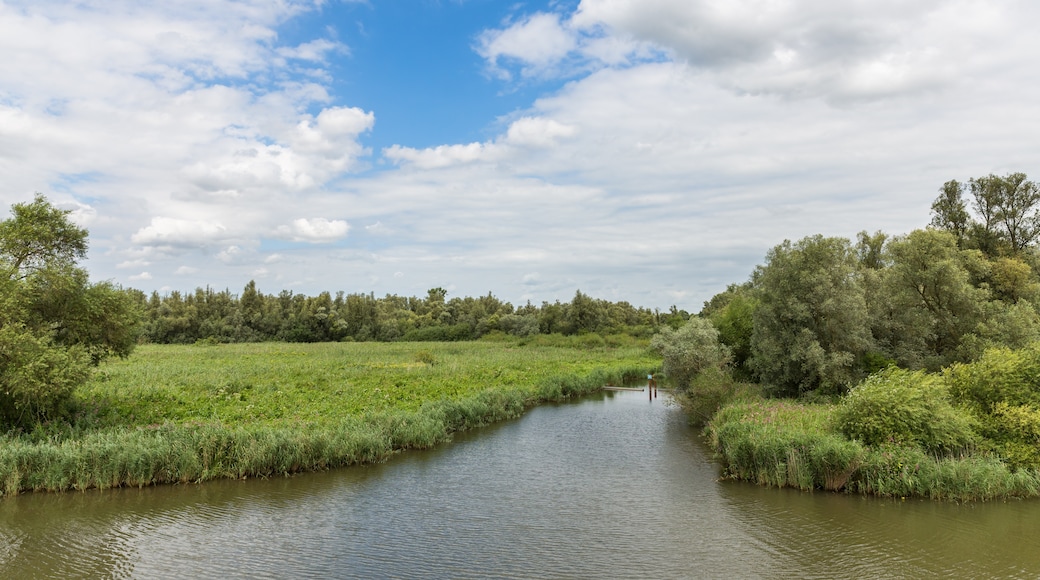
[616, 486]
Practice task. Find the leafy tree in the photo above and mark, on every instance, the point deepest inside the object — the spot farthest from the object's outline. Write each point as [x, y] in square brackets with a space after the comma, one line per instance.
[1008, 207]
[53, 322]
[932, 305]
[732, 313]
[811, 326]
[950, 213]
[689, 351]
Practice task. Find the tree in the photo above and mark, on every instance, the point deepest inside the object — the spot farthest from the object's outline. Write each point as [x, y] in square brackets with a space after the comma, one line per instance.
[732, 312]
[689, 351]
[811, 328]
[53, 322]
[950, 213]
[1008, 208]
[38, 236]
[932, 303]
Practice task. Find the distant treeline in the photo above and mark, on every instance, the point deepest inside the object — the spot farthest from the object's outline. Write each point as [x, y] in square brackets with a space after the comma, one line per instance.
[252, 316]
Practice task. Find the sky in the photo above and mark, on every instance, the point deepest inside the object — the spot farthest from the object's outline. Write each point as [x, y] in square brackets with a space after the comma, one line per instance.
[650, 151]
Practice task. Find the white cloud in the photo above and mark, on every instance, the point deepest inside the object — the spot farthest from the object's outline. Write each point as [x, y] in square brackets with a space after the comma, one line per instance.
[436, 157]
[537, 132]
[538, 42]
[315, 230]
[165, 231]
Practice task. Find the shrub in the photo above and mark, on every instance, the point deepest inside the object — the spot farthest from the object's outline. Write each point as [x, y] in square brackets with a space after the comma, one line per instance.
[709, 392]
[904, 407]
[1000, 375]
[692, 349]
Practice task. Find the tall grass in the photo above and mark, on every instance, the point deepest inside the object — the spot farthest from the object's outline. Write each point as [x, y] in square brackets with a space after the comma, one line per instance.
[787, 444]
[192, 413]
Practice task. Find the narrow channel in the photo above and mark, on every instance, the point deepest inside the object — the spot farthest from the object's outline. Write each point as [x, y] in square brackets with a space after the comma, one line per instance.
[613, 486]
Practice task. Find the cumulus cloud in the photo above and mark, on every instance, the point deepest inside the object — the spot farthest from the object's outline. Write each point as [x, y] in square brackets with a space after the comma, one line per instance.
[796, 48]
[165, 231]
[538, 42]
[537, 132]
[315, 230]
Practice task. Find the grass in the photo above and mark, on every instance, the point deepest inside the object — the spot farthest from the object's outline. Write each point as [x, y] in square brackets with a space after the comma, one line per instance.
[789, 444]
[191, 413]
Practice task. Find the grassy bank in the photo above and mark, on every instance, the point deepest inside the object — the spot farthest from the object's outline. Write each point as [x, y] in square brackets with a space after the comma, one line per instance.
[192, 413]
[790, 444]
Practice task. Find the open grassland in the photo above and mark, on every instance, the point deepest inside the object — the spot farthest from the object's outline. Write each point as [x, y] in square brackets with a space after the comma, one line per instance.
[191, 413]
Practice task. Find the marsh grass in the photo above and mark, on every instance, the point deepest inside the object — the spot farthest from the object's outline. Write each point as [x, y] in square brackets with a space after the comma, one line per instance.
[788, 444]
[176, 414]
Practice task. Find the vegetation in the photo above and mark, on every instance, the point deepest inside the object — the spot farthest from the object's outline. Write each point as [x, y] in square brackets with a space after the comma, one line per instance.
[915, 359]
[206, 314]
[192, 413]
[689, 351]
[54, 324]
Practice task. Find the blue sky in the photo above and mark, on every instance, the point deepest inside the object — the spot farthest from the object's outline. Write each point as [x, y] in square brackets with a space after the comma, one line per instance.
[643, 150]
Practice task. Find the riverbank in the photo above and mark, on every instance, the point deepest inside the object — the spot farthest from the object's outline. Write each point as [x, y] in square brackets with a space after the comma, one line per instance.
[174, 414]
[785, 443]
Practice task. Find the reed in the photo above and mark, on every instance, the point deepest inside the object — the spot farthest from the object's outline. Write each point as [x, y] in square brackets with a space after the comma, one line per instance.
[787, 444]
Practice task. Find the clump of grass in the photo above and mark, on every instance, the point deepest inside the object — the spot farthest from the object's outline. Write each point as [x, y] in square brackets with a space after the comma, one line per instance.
[782, 443]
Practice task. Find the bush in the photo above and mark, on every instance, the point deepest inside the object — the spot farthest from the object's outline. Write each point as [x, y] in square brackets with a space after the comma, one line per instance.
[692, 349]
[904, 407]
[709, 392]
[1000, 375]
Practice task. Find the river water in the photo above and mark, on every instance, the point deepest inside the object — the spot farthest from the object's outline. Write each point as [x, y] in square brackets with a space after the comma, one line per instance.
[614, 486]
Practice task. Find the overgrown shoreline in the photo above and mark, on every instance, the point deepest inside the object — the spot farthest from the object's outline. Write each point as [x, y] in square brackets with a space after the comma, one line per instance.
[784, 443]
[101, 453]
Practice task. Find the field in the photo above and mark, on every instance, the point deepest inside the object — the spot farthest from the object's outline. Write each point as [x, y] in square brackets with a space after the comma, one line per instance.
[190, 413]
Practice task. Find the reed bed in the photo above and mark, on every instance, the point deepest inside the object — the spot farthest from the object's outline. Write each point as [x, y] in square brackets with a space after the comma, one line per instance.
[177, 414]
[788, 444]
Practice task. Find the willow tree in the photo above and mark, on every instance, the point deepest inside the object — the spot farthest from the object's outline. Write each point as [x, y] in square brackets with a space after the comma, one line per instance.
[811, 326]
[54, 323]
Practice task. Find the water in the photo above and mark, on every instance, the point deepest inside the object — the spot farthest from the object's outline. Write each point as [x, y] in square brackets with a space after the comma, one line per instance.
[613, 487]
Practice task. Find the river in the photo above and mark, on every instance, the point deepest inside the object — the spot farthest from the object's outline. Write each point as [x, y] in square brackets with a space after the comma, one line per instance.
[613, 486]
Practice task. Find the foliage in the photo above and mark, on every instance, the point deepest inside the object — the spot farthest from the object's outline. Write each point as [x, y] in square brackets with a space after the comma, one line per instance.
[783, 443]
[53, 322]
[732, 313]
[932, 303]
[1006, 210]
[904, 408]
[710, 391]
[183, 318]
[1003, 390]
[689, 351]
[811, 324]
[775, 442]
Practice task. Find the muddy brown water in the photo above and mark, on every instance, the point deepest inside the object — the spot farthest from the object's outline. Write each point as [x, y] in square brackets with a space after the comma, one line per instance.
[613, 486]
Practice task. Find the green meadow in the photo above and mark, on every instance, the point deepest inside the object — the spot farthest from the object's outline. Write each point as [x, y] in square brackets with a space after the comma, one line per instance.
[188, 413]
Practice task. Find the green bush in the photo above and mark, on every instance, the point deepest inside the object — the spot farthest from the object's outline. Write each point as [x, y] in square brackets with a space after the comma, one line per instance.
[709, 392]
[905, 407]
[1000, 375]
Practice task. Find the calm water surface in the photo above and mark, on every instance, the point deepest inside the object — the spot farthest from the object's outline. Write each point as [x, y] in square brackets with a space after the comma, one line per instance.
[615, 486]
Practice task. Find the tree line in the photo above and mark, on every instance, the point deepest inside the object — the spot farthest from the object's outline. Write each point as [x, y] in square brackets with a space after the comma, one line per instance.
[254, 316]
[822, 313]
